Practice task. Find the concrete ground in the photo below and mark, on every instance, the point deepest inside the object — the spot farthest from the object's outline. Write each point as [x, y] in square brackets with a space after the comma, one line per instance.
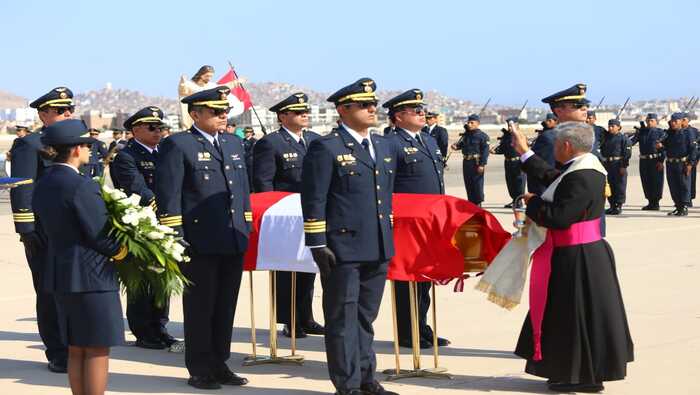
[657, 260]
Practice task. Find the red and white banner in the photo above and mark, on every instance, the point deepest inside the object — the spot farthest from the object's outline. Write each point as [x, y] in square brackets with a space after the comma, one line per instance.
[239, 97]
[424, 228]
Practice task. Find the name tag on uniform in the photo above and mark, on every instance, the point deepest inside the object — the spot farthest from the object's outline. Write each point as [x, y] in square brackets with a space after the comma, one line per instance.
[290, 156]
[410, 150]
[203, 156]
[146, 165]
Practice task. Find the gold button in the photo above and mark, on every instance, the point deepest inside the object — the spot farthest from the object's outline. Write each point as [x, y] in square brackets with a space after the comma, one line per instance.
[230, 182]
[378, 187]
[381, 216]
[206, 167]
[228, 167]
[196, 220]
[379, 202]
[233, 211]
[376, 172]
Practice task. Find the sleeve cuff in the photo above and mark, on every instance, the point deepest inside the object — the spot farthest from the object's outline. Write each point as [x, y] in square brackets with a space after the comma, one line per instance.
[527, 155]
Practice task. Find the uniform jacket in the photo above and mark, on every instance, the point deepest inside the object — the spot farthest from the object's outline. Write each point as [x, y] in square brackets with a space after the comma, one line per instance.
[504, 146]
[419, 169]
[26, 163]
[74, 220]
[543, 146]
[277, 161]
[203, 193]
[679, 144]
[475, 143]
[441, 137]
[647, 139]
[133, 171]
[618, 146]
[346, 197]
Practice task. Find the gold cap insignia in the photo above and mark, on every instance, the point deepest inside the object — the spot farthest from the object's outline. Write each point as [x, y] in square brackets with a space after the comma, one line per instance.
[301, 100]
[419, 97]
[155, 114]
[63, 95]
[581, 89]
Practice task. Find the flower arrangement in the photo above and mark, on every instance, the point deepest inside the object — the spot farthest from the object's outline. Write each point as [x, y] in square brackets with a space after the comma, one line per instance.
[155, 252]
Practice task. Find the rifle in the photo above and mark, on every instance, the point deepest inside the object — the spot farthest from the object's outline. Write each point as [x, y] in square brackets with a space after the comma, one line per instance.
[622, 109]
[461, 135]
[691, 103]
[599, 103]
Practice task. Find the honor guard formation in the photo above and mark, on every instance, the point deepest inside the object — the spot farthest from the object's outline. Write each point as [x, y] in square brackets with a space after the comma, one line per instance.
[199, 182]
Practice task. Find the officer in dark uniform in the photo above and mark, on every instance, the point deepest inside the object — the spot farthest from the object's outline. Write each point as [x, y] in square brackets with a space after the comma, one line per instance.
[680, 150]
[81, 256]
[202, 192]
[651, 160]
[616, 151]
[20, 131]
[98, 151]
[515, 178]
[474, 145]
[389, 129]
[277, 166]
[165, 131]
[419, 169]
[54, 106]
[695, 135]
[346, 201]
[543, 146]
[249, 141]
[133, 171]
[118, 139]
[599, 133]
[437, 132]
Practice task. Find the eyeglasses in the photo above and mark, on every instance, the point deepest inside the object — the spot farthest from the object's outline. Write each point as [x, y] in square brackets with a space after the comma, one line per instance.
[85, 145]
[363, 105]
[417, 110]
[153, 128]
[220, 111]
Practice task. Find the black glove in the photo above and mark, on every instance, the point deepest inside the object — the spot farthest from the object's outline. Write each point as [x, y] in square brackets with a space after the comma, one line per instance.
[187, 246]
[33, 243]
[325, 260]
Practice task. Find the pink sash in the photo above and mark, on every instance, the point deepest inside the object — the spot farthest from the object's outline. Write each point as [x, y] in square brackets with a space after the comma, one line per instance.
[577, 234]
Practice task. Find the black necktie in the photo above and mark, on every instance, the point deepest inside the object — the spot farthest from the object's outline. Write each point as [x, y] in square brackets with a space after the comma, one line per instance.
[420, 141]
[216, 145]
[303, 144]
[365, 143]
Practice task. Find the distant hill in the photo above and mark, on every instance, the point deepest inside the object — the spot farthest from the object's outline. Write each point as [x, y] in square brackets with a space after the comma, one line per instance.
[129, 101]
[10, 100]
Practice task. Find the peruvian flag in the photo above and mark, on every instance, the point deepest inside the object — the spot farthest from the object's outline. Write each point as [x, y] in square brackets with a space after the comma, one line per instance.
[239, 97]
[424, 230]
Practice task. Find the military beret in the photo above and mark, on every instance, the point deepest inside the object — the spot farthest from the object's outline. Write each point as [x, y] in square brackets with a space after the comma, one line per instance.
[613, 121]
[412, 97]
[362, 90]
[57, 97]
[590, 114]
[150, 114]
[296, 102]
[67, 132]
[550, 116]
[575, 94]
[652, 115]
[676, 116]
[215, 98]
[474, 117]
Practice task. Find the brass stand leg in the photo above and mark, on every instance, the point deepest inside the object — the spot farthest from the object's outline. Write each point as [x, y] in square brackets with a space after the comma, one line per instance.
[293, 312]
[395, 372]
[252, 316]
[273, 358]
[435, 372]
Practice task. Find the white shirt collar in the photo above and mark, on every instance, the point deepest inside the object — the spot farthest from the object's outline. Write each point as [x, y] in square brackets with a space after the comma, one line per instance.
[412, 134]
[359, 138]
[431, 127]
[70, 166]
[295, 136]
[206, 135]
[149, 149]
[573, 159]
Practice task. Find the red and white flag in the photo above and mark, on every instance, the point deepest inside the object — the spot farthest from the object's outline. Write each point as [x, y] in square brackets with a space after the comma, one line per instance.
[239, 97]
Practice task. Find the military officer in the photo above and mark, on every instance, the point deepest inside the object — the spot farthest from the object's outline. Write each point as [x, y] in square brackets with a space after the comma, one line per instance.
[249, 141]
[651, 160]
[680, 149]
[277, 166]
[695, 135]
[419, 169]
[474, 145]
[202, 192]
[599, 132]
[389, 129]
[20, 131]
[515, 178]
[133, 171]
[543, 146]
[165, 131]
[346, 202]
[54, 106]
[437, 132]
[98, 151]
[616, 151]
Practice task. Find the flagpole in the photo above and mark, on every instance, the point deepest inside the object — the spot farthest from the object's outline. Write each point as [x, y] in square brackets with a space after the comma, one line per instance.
[252, 107]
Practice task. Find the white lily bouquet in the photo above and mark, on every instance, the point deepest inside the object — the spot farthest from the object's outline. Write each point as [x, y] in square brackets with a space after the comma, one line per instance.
[154, 251]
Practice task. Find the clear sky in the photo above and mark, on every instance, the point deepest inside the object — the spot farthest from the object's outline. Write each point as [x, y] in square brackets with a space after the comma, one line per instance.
[508, 50]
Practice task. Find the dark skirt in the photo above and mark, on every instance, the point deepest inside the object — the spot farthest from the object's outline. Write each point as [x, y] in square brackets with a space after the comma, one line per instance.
[92, 319]
[585, 336]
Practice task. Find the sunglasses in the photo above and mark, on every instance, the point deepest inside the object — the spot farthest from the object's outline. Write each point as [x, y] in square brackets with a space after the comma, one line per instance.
[85, 145]
[153, 128]
[417, 110]
[363, 105]
[300, 112]
[220, 111]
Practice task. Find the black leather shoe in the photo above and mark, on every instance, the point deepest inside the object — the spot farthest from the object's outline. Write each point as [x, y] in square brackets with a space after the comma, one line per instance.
[681, 212]
[299, 333]
[442, 342]
[204, 383]
[509, 205]
[57, 366]
[350, 392]
[168, 340]
[568, 387]
[376, 389]
[613, 211]
[227, 377]
[314, 328]
[151, 344]
[408, 344]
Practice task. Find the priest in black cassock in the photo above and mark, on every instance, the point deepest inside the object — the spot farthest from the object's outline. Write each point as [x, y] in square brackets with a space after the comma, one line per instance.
[581, 337]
